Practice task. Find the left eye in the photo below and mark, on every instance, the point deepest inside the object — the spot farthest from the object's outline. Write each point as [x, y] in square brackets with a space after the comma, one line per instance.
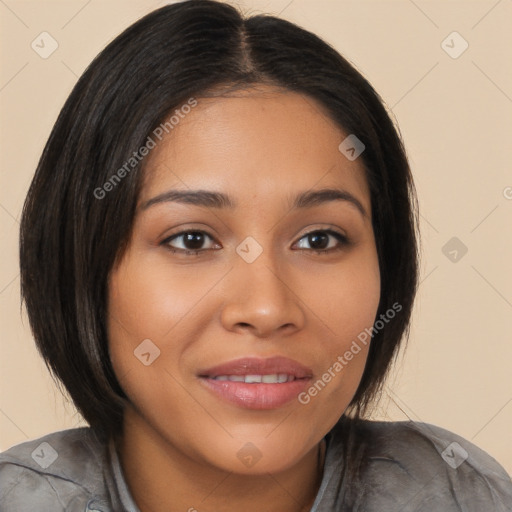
[319, 240]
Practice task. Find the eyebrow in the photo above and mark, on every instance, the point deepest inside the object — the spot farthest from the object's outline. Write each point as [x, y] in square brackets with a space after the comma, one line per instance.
[211, 199]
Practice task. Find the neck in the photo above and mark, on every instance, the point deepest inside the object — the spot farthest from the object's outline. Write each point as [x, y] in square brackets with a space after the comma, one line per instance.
[161, 477]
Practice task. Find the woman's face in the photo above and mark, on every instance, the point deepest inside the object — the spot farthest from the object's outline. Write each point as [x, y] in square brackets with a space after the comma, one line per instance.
[256, 290]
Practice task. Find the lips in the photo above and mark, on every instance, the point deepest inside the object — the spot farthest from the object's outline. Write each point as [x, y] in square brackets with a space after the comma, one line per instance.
[254, 383]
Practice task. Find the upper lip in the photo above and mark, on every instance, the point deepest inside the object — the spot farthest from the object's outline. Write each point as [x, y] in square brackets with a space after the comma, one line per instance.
[259, 366]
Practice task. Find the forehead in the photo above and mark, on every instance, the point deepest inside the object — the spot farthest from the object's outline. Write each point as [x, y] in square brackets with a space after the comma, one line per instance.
[260, 143]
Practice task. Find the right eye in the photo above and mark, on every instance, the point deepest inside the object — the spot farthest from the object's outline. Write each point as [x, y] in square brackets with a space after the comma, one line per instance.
[192, 242]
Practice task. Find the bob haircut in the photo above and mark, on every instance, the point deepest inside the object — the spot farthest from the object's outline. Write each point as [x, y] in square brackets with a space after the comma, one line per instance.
[72, 236]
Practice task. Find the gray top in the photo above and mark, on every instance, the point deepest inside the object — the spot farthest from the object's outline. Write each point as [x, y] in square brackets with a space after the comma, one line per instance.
[405, 467]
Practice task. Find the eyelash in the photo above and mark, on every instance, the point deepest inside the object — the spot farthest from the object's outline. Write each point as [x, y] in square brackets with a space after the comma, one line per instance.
[342, 239]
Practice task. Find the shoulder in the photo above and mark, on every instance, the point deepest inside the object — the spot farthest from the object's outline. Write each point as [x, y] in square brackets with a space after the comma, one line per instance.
[60, 471]
[418, 466]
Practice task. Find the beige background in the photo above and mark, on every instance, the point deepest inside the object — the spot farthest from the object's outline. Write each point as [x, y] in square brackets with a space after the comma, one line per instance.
[455, 117]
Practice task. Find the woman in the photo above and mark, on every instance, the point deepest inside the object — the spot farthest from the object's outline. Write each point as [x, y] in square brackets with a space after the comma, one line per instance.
[219, 261]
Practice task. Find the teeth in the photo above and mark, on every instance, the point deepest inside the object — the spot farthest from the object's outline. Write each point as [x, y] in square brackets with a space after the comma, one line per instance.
[275, 378]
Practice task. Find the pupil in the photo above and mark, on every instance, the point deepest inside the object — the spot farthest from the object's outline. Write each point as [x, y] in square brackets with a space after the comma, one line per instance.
[313, 240]
[195, 239]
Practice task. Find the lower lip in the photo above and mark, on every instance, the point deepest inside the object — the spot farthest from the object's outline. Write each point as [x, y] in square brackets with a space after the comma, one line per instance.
[256, 396]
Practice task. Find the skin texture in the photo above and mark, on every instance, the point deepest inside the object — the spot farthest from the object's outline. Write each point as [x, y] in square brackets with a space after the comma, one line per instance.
[180, 442]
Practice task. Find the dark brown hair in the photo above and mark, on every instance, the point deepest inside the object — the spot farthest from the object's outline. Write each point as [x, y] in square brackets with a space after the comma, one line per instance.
[71, 237]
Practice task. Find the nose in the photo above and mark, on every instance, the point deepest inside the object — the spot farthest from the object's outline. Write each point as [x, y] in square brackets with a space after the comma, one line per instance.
[262, 299]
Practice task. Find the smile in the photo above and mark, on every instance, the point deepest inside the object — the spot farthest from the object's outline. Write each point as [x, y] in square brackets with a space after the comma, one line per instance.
[255, 383]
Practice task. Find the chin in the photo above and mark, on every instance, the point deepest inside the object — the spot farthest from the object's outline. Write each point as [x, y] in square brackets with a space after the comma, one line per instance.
[256, 455]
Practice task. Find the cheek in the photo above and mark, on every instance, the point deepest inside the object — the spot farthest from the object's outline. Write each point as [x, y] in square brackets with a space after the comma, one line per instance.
[347, 306]
[156, 312]
[150, 299]
[346, 299]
